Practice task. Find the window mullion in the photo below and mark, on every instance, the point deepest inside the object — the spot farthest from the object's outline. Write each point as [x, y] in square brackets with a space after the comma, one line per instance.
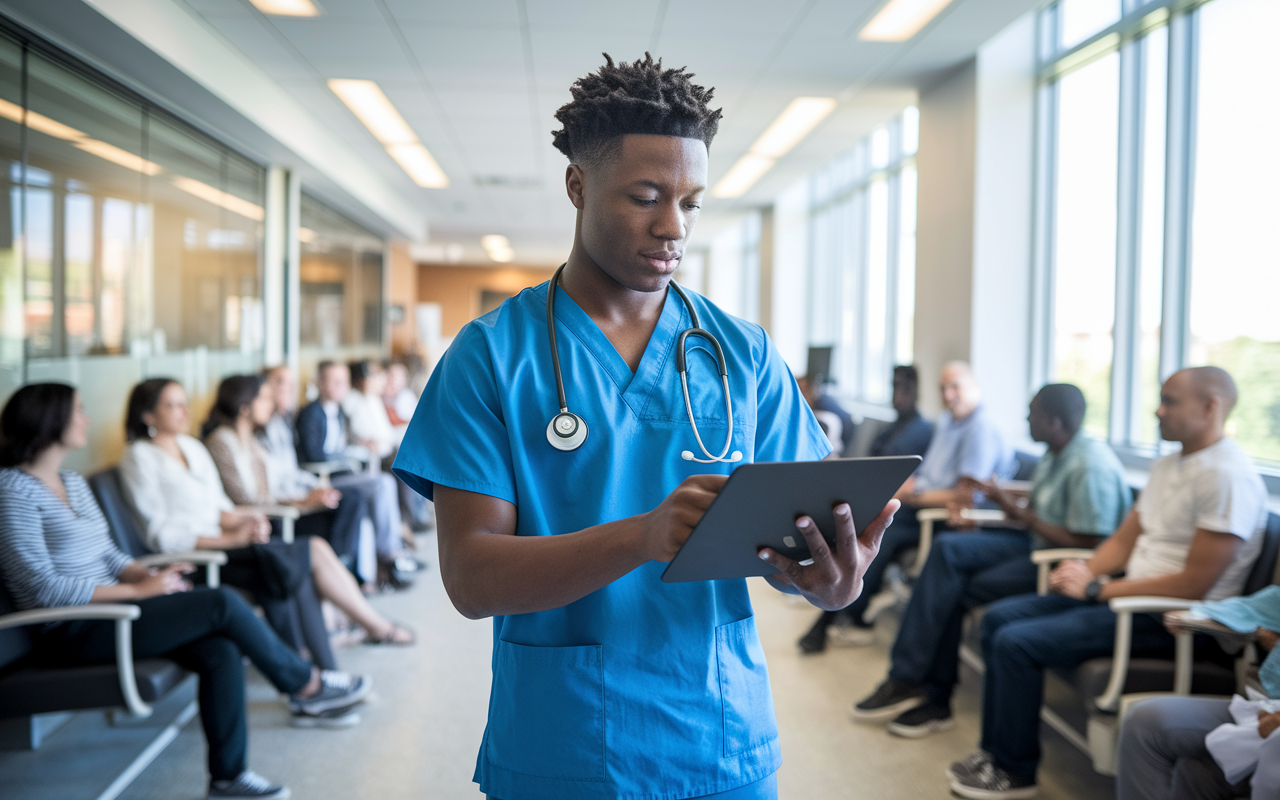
[1175, 323]
[1128, 217]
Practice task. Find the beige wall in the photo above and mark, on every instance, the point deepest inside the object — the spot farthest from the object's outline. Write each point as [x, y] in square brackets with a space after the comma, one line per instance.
[457, 288]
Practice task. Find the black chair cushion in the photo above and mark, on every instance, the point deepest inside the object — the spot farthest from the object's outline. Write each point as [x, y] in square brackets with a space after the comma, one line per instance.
[1150, 675]
[124, 527]
[37, 690]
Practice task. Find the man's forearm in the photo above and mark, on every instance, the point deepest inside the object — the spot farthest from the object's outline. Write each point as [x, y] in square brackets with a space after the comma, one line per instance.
[495, 574]
[1060, 535]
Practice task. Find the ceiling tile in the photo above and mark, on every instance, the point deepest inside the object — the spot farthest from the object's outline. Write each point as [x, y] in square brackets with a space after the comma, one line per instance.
[261, 47]
[347, 48]
[480, 13]
[468, 56]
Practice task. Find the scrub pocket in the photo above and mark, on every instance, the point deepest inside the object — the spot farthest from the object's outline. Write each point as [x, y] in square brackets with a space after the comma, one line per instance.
[749, 721]
[547, 716]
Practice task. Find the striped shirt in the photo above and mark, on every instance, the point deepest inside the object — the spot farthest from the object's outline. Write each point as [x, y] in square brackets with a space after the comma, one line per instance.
[53, 553]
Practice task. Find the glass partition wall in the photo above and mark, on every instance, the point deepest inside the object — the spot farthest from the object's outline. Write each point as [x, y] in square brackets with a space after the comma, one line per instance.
[130, 245]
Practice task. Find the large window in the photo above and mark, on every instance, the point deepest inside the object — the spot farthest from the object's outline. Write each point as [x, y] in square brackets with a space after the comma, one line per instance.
[129, 243]
[862, 217]
[341, 279]
[1158, 178]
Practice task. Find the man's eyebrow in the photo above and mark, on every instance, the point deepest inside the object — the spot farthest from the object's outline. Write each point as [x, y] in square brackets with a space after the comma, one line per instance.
[649, 183]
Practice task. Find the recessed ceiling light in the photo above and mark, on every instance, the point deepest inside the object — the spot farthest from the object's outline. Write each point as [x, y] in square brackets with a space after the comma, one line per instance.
[287, 8]
[375, 111]
[899, 20]
[795, 122]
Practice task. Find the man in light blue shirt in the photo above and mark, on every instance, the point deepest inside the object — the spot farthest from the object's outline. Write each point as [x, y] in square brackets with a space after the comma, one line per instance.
[607, 682]
[966, 444]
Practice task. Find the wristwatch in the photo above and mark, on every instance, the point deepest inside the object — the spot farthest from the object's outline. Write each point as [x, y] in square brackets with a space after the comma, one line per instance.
[1092, 590]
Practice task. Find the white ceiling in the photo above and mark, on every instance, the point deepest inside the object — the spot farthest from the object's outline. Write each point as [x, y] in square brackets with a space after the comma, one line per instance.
[480, 80]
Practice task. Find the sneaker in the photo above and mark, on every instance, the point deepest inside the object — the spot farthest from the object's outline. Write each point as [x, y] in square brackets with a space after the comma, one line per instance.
[890, 699]
[852, 635]
[989, 782]
[815, 641]
[922, 721]
[969, 765]
[333, 719]
[337, 690]
[246, 785]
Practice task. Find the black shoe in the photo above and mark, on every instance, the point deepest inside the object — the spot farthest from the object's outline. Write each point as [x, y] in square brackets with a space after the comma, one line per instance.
[989, 782]
[922, 721]
[815, 641]
[890, 699]
[337, 690]
[971, 764]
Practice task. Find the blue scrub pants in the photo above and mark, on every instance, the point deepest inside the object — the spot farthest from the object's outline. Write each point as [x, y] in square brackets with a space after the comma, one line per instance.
[963, 571]
[763, 789]
[1021, 637]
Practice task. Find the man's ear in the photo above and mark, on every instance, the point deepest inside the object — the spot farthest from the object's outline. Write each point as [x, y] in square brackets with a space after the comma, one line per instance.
[575, 186]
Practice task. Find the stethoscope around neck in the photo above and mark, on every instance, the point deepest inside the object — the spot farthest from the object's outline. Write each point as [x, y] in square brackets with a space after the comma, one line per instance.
[567, 431]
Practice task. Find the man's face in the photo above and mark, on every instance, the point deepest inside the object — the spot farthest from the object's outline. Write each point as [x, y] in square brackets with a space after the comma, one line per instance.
[284, 388]
[1183, 412]
[958, 391]
[638, 207]
[334, 383]
[904, 395]
[1041, 424]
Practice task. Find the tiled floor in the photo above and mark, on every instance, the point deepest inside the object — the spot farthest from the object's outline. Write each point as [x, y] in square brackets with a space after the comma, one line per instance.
[420, 731]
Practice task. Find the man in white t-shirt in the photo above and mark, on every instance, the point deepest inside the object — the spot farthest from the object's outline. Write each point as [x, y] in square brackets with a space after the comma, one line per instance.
[1194, 533]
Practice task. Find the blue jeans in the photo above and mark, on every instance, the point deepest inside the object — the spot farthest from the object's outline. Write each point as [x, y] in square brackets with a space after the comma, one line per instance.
[903, 533]
[963, 571]
[1021, 637]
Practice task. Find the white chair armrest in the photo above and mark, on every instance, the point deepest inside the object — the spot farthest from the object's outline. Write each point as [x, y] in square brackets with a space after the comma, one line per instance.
[212, 560]
[281, 511]
[983, 514]
[932, 514]
[41, 616]
[123, 614]
[1125, 608]
[1055, 554]
[1139, 604]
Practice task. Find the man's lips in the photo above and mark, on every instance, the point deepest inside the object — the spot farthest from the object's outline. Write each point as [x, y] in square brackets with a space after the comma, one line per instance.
[662, 260]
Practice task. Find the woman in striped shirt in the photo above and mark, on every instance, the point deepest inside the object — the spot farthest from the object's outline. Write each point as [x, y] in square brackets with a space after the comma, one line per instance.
[55, 550]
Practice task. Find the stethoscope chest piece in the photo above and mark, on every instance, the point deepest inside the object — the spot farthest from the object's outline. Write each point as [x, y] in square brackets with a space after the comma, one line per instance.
[566, 431]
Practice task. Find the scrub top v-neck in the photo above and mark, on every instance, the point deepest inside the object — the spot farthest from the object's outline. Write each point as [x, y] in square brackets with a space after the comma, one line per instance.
[641, 689]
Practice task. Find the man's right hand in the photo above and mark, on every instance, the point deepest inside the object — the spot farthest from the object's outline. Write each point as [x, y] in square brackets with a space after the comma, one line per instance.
[668, 526]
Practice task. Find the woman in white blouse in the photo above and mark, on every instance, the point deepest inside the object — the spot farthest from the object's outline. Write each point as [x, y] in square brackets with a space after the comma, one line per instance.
[177, 493]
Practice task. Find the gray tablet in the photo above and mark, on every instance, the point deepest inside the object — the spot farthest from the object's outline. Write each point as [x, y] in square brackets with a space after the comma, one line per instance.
[760, 503]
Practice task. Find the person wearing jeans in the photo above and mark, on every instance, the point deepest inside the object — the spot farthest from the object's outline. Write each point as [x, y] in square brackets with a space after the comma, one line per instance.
[1078, 495]
[1195, 533]
[55, 550]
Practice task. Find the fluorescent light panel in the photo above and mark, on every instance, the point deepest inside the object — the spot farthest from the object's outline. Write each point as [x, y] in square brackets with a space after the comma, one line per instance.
[899, 20]
[287, 8]
[376, 112]
[795, 122]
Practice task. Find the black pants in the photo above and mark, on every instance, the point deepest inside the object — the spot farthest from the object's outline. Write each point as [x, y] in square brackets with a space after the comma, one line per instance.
[341, 526]
[278, 575]
[206, 631]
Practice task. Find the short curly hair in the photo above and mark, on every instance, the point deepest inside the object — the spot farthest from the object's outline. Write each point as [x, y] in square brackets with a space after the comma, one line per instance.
[640, 97]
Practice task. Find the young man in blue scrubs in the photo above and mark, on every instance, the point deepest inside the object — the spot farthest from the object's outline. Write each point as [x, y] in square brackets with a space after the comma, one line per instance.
[607, 682]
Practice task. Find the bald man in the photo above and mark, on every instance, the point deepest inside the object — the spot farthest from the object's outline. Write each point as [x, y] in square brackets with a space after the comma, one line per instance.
[1194, 533]
[965, 444]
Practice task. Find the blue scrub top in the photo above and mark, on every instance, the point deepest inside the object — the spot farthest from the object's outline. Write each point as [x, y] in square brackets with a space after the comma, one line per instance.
[642, 689]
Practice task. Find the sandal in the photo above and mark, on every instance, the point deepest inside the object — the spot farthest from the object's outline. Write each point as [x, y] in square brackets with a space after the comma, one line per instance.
[398, 636]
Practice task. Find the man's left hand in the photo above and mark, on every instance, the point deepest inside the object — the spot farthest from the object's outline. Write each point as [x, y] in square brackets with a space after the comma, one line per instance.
[834, 579]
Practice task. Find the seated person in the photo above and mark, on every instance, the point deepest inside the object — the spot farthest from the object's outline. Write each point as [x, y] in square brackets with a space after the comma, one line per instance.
[325, 434]
[55, 550]
[965, 444]
[243, 407]
[286, 478]
[176, 492]
[399, 399]
[1194, 533]
[836, 423]
[1209, 748]
[1078, 496]
[910, 433]
[371, 425]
